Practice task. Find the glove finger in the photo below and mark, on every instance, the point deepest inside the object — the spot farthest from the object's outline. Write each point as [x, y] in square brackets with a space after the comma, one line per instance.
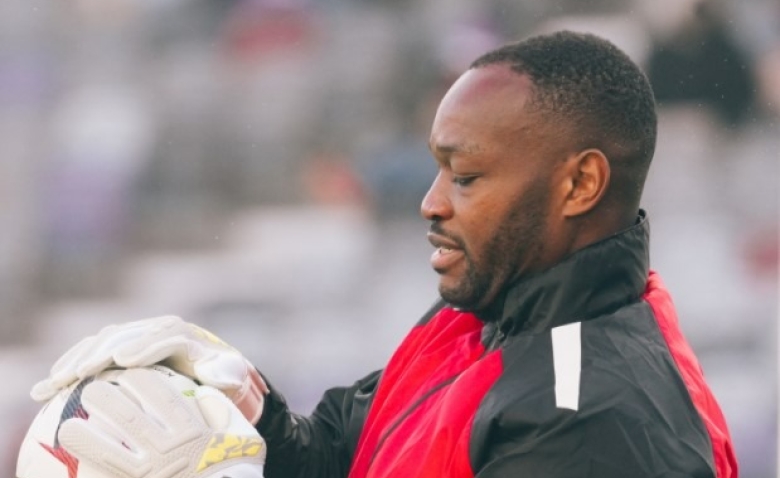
[144, 413]
[162, 399]
[200, 334]
[162, 330]
[94, 365]
[90, 355]
[63, 372]
[110, 439]
[111, 339]
[43, 391]
[94, 353]
[71, 355]
[221, 414]
[225, 371]
[114, 411]
[136, 354]
[95, 449]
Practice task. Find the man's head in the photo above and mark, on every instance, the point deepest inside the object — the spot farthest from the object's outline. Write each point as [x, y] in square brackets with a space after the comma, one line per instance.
[543, 147]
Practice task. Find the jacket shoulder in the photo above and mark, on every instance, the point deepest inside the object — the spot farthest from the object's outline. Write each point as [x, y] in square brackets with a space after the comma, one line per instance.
[601, 394]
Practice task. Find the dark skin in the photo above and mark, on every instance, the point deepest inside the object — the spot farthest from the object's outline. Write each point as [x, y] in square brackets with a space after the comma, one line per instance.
[512, 196]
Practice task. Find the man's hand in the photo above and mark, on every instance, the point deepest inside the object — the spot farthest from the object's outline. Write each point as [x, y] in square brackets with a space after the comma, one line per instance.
[142, 425]
[184, 347]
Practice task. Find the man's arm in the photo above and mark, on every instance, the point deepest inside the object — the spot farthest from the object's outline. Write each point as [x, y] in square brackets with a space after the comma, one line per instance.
[321, 445]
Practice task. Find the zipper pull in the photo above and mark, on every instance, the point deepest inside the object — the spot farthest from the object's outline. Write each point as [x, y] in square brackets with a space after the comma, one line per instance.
[498, 337]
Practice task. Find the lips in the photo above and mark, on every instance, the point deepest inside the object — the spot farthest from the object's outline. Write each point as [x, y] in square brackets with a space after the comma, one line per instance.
[442, 242]
[447, 252]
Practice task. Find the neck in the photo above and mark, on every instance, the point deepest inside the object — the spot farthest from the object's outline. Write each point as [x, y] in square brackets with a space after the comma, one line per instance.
[601, 224]
[580, 286]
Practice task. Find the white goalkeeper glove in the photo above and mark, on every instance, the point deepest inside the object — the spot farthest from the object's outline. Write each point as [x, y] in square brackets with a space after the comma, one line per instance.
[143, 425]
[182, 346]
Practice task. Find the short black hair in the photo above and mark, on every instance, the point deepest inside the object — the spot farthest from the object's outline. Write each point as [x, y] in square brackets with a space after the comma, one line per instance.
[588, 84]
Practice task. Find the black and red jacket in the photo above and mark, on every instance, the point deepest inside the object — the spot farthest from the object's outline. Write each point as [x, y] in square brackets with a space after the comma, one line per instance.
[585, 375]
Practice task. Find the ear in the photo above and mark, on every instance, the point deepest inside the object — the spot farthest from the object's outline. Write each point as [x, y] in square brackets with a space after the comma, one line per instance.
[587, 180]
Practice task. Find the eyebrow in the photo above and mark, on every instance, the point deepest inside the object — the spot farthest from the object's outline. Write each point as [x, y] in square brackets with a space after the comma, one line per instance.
[454, 148]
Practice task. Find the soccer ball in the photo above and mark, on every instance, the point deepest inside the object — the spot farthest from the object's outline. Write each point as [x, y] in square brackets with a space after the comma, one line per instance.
[42, 456]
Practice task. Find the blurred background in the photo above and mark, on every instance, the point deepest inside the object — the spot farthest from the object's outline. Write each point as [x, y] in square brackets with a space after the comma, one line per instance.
[256, 166]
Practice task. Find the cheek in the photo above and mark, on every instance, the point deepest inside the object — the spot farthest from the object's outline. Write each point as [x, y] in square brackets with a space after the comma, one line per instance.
[479, 224]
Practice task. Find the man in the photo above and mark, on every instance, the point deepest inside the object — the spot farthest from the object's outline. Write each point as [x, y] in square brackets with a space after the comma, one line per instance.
[553, 352]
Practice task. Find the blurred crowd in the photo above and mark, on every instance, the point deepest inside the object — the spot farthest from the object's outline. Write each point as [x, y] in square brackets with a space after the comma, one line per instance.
[257, 166]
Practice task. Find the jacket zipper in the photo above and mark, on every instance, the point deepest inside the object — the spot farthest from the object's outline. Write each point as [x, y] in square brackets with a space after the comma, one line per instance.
[414, 406]
[406, 413]
[495, 340]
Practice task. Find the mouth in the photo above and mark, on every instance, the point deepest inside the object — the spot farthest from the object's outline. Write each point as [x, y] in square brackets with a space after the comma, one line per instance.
[441, 241]
[447, 252]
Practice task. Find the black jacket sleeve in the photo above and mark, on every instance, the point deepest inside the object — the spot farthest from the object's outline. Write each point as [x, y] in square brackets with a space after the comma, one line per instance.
[321, 445]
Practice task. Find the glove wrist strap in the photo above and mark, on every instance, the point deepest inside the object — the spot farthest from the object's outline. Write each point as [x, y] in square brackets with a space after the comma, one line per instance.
[250, 397]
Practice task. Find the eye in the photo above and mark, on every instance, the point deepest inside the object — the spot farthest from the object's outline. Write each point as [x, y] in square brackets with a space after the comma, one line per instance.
[463, 180]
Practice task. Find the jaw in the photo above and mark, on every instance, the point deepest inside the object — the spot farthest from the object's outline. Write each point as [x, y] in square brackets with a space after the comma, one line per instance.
[461, 287]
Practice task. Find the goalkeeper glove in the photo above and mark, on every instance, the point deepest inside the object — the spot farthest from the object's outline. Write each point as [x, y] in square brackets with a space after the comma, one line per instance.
[182, 346]
[142, 425]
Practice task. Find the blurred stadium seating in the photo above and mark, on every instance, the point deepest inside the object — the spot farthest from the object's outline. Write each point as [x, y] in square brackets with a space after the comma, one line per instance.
[255, 166]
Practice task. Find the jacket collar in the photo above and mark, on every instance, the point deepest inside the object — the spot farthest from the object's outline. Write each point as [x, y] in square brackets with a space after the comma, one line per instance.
[593, 281]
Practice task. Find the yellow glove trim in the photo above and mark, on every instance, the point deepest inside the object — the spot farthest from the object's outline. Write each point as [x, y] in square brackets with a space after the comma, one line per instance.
[224, 446]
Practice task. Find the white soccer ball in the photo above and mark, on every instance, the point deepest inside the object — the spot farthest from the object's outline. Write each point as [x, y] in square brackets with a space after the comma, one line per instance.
[42, 456]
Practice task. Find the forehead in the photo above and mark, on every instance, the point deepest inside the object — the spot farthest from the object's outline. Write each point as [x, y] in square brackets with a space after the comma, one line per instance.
[484, 108]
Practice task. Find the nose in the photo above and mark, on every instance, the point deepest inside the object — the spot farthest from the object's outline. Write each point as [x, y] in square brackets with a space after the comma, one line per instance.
[436, 205]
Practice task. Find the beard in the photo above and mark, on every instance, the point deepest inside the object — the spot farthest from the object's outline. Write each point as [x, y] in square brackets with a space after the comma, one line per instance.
[518, 240]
